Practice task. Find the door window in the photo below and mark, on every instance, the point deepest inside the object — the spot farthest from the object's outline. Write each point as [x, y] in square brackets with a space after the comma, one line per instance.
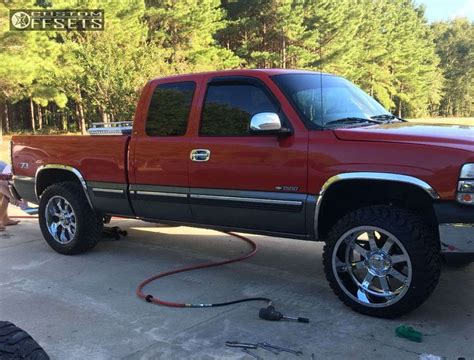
[228, 108]
[169, 109]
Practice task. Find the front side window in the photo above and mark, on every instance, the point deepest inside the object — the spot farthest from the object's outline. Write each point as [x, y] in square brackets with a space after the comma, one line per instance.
[228, 108]
[324, 99]
[169, 109]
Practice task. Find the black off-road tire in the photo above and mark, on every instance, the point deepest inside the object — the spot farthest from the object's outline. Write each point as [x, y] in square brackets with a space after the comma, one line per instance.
[89, 223]
[419, 241]
[17, 344]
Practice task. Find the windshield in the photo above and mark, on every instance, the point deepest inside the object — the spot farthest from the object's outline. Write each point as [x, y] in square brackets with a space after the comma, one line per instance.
[340, 100]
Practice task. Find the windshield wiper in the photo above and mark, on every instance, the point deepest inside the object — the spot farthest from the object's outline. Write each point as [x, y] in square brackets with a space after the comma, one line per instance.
[349, 120]
[387, 117]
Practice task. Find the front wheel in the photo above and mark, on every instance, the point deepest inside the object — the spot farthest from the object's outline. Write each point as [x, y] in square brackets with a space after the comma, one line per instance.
[382, 261]
[67, 222]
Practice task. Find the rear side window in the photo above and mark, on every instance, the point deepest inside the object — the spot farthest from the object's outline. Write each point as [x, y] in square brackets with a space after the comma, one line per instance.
[228, 108]
[169, 109]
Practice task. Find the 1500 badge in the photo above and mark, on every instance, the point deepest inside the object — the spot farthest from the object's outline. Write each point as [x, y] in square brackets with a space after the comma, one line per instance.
[287, 188]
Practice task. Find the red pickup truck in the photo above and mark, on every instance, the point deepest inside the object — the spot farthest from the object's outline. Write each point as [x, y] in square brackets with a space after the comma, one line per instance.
[285, 153]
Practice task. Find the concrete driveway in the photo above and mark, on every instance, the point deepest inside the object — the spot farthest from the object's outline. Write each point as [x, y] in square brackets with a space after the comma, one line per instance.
[84, 307]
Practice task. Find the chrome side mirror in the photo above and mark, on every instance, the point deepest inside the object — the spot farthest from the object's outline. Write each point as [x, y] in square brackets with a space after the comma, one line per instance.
[265, 121]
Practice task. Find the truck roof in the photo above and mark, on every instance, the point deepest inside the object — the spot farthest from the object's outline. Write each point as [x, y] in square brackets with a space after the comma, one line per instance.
[243, 72]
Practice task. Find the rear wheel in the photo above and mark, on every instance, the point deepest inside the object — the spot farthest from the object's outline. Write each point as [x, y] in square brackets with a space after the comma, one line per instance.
[68, 223]
[382, 261]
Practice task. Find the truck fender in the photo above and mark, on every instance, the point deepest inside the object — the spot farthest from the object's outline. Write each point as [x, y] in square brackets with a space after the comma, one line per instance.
[368, 176]
[71, 169]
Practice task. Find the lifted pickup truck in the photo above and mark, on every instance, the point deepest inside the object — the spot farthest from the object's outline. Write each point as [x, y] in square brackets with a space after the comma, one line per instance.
[293, 154]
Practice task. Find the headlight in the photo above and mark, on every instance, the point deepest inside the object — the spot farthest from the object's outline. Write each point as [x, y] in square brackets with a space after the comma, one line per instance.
[467, 171]
[465, 193]
[466, 186]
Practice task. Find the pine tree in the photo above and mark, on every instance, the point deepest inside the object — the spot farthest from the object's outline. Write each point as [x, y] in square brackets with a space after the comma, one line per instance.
[185, 31]
[455, 47]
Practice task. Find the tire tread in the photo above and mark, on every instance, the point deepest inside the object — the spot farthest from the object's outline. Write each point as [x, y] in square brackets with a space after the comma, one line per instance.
[90, 224]
[16, 343]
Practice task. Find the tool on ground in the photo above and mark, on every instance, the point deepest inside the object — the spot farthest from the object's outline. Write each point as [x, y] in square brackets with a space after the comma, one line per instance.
[248, 352]
[407, 332]
[262, 345]
[113, 232]
[151, 299]
[241, 345]
[282, 349]
[274, 351]
[269, 313]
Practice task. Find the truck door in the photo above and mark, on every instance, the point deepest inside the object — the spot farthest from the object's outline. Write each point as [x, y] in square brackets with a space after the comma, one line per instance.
[240, 179]
[159, 154]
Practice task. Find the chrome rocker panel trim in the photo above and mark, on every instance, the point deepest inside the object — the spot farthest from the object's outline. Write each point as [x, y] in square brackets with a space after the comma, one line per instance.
[247, 199]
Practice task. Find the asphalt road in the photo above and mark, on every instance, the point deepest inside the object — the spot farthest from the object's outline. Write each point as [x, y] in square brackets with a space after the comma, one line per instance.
[84, 307]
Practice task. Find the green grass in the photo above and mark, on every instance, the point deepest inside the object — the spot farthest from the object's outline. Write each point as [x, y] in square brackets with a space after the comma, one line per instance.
[451, 121]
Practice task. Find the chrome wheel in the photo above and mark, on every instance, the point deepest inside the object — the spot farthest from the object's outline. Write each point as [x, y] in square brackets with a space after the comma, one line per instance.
[60, 219]
[372, 266]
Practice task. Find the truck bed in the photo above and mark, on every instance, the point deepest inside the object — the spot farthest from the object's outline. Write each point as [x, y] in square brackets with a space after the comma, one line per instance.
[98, 158]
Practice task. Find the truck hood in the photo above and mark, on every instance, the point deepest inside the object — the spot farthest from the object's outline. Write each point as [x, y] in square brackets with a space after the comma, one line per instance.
[452, 136]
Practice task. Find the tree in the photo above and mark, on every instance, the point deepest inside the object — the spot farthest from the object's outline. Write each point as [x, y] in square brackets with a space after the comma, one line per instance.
[266, 33]
[455, 47]
[184, 31]
[107, 69]
[28, 59]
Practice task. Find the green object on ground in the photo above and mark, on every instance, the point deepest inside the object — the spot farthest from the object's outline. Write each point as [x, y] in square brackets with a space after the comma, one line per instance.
[407, 332]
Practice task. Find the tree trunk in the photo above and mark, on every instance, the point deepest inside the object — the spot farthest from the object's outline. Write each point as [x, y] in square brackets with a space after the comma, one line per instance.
[32, 113]
[399, 107]
[46, 115]
[264, 43]
[64, 121]
[284, 53]
[105, 118]
[40, 117]
[6, 117]
[82, 120]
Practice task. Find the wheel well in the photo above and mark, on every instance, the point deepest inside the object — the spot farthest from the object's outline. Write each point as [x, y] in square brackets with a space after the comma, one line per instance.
[348, 195]
[53, 176]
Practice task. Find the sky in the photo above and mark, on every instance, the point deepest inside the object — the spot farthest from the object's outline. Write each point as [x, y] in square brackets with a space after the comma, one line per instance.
[437, 10]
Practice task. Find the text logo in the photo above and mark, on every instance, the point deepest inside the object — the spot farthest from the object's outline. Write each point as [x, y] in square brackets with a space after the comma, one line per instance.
[57, 20]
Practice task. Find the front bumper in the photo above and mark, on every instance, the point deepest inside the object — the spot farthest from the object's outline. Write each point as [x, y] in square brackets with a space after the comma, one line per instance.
[456, 227]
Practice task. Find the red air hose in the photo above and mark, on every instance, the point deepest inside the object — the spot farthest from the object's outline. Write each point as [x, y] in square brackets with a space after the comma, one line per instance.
[154, 300]
[151, 299]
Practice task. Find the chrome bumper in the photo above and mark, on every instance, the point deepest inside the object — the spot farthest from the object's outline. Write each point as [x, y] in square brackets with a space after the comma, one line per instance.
[456, 238]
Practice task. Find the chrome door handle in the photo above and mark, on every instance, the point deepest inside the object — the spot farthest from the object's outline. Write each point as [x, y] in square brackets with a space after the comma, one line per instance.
[200, 155]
